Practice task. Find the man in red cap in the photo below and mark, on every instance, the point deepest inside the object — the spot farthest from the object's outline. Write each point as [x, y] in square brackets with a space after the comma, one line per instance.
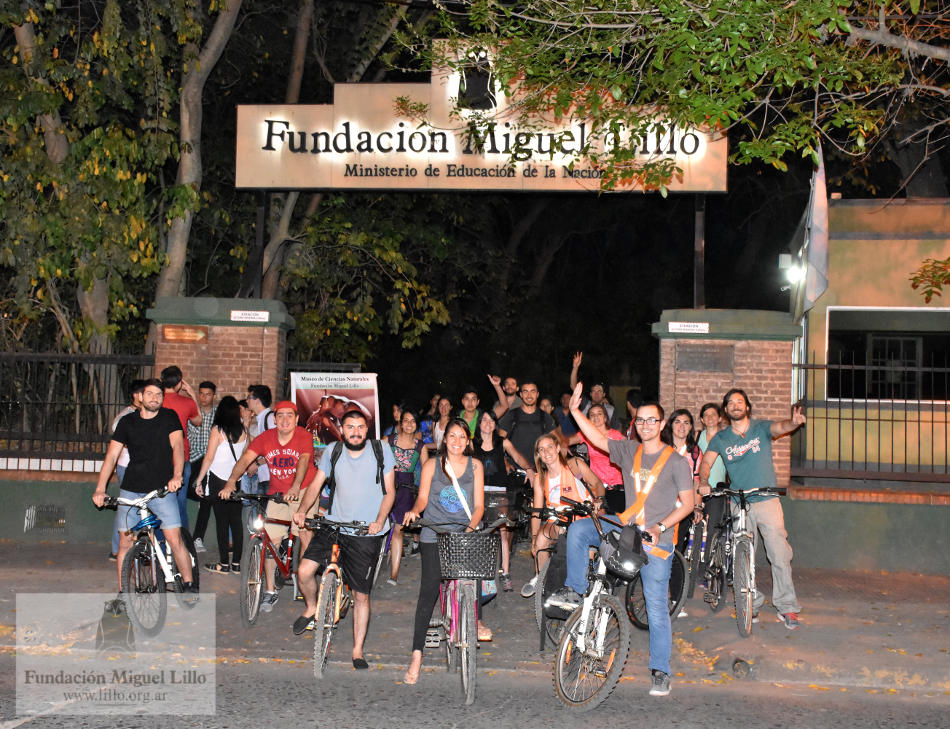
[288, 450]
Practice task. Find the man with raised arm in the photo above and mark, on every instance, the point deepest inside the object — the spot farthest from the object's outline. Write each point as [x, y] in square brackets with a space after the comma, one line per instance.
[364, 490]
[658, 486]
[598, 394]
[746, 450]
[287, 450]
[155, 440]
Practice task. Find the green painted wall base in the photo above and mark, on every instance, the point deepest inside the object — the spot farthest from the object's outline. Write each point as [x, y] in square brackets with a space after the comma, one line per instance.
[836, 535]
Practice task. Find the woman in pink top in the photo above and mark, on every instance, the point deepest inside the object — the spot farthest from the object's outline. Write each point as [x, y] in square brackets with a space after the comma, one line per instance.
[600, 461]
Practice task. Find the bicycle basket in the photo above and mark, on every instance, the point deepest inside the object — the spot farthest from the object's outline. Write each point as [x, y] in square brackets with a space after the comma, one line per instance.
[469, 556]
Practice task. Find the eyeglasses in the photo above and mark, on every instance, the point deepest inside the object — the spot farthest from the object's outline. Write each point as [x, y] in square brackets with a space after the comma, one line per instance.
[647, 421]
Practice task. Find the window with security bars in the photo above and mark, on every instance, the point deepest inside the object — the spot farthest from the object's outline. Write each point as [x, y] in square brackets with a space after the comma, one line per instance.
[894, 367]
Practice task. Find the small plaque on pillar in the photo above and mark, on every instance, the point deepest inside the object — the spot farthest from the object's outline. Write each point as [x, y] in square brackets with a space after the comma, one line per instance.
[248, 315]
[704, 357]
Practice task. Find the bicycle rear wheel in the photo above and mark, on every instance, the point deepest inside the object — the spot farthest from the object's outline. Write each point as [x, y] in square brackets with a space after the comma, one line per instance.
[324, 626]
[252, 580]
[636, 604]
[468, 642]
[583, 679]
[143, 588]
[186, 600]
[552, 626]
[743, 588]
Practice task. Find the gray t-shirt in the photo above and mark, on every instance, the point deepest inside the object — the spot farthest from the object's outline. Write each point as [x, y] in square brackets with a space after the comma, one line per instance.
[357, 496]
[675, 477]
[444, 504]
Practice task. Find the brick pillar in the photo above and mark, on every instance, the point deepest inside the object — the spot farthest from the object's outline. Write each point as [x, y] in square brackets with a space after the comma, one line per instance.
[706, 352]
[232, 342]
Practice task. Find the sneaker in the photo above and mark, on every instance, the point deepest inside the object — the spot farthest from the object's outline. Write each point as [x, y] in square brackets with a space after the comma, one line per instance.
[392, 581]
[529, 587]
[565, 597]
[414, 549]
[682, 613]
[200, 545]
[661, 684]
[113, 556]
[268, 601]
[755, 617]
[506, 582]
[303, 623]
[235, 568]
[218, 567]
[790, 620]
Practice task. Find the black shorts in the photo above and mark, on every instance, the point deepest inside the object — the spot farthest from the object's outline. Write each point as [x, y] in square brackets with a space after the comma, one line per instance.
[357, 556]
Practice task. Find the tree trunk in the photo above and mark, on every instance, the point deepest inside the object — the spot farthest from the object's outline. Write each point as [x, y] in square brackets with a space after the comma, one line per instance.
[56, 145]
[199, 67]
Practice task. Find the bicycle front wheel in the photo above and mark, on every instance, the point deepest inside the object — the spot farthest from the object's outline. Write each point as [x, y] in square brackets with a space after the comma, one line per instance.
[252, 580]
[694, 559]
[551, 626]
[143, 588]
[451, 648]
[324, 624]
[584, 678]
[468, 642]
[716, 577]
[743, 587]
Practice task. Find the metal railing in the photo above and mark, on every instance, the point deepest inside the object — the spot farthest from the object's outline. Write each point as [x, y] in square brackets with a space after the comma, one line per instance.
[55, 405]
[874, 422]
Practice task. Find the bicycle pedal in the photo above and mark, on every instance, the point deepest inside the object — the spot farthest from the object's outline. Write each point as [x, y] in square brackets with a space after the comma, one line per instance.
[433, 638]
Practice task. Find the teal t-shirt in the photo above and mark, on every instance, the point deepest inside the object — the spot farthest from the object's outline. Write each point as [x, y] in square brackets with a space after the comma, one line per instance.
[717, 474]
[748, 460]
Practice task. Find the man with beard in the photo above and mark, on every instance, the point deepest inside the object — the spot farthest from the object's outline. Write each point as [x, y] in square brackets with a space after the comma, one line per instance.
[746, 450]
[287, 450]
[155, 440]
[362, 489]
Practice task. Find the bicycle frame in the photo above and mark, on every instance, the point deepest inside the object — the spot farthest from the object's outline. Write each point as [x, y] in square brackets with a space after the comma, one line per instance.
[148, 523]
[450, 603]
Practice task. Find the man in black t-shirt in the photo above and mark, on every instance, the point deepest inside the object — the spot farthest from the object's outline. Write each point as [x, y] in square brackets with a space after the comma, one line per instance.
[155, 441]
[523, 426]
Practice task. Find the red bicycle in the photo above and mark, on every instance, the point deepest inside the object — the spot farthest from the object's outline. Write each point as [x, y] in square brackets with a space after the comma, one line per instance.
[286, 557]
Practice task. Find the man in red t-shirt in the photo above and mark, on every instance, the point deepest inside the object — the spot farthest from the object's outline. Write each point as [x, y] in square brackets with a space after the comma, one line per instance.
[186, 408]
[288, 450]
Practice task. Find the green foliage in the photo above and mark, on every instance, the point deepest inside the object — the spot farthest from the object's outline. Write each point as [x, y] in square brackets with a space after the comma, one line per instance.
[109, 82]
[370, 265]
[931, 277]
[778, 77]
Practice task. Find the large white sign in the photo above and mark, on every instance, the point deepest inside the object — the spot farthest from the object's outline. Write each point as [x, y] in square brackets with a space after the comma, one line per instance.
[362, 141]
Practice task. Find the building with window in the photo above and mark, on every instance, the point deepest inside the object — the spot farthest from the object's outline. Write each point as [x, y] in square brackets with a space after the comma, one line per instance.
[874, 359]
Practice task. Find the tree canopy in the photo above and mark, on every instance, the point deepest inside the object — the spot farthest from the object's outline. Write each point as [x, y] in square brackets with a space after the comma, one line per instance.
[779, 77]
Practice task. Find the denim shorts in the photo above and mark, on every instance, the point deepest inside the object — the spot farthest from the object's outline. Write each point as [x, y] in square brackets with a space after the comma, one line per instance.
[165, 508]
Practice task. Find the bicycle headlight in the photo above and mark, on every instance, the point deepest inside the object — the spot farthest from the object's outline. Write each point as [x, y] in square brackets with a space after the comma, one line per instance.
[258, 523]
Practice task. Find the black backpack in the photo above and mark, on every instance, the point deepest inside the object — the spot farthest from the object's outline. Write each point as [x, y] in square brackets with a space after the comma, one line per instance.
[519, 416]
[335, 456]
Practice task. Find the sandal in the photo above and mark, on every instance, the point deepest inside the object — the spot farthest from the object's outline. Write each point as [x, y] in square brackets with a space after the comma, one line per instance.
[484, 633]
[218, 567]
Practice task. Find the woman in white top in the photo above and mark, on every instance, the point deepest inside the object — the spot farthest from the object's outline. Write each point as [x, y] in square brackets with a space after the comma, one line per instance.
[556, 476]
[226, 445]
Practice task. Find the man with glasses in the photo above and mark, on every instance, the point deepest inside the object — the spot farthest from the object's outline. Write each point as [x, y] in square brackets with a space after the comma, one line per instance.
[658, 486]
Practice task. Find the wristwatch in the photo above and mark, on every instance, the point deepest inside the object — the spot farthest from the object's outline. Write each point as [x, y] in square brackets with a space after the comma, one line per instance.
[661, 526]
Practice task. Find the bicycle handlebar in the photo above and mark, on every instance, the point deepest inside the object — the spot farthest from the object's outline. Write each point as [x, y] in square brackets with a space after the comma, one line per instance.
[587, 508]
[436, 525]
[320, 522]
[113, 502]
[723, 491]
[238, 495]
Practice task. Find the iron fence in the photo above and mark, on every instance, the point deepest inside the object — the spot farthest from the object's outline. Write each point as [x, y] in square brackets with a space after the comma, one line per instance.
[875, 422]
[56, 405]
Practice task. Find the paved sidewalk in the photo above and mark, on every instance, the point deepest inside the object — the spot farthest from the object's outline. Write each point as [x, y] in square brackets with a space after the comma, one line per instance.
[860, 631]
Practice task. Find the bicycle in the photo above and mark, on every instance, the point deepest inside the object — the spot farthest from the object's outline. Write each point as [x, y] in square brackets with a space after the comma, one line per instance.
[149, 567]
[464, 558]
[733, 551]
[636, 605]
[333, 595]
[257, 546]
[550, 620]
[595, 642]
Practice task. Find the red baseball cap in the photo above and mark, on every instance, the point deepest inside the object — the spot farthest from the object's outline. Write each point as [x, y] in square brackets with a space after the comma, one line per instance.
[285, 405]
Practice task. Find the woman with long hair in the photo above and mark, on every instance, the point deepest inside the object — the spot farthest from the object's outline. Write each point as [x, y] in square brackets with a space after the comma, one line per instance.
[556, 477]
[409, 453]
[491, 449]
[600, 463]
[441, 421]
[451, 492]
[226, 445]
[681, 434]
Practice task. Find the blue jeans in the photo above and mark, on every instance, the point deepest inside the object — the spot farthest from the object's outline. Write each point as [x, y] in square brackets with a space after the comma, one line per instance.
[120, 473]
[654, 575]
